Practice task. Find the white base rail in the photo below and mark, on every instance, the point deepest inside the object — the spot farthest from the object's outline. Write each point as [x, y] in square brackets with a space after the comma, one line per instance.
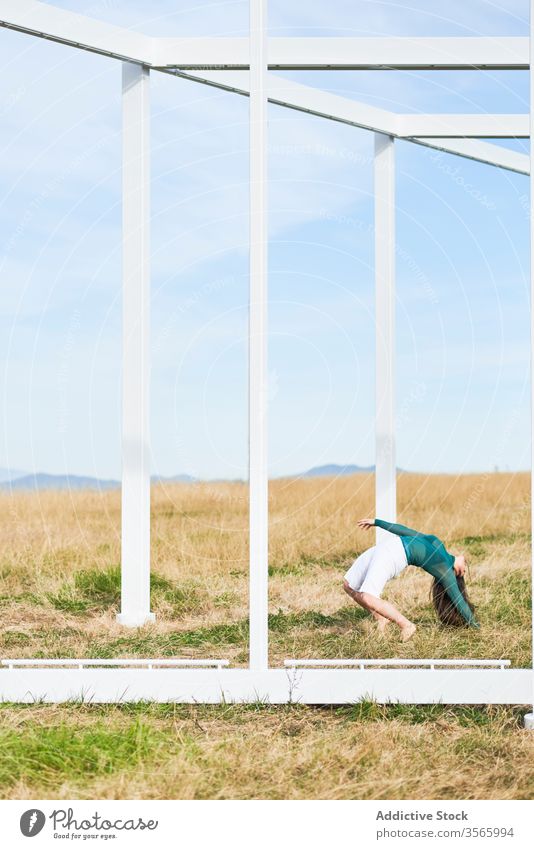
[101, 683]
[119, 662]
[399, 662]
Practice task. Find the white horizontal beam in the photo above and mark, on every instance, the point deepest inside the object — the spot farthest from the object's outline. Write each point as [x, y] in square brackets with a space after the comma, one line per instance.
[322, 53]
[50, 22]
[47, 21]
[464, 126]
[313, 101]
[275, 686]
[285, 92]
[480, 151]
[54, 24]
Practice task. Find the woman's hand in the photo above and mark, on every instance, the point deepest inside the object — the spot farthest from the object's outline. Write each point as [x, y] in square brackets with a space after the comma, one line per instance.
[366, 524]
[459, 565]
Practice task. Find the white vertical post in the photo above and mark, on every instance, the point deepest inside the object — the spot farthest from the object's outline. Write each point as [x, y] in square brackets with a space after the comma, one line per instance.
[135, 557]
[385, 462]
[529, 718]
[258, 477]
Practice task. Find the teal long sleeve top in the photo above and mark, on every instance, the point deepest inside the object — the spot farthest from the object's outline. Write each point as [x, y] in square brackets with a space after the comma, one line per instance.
[428, 552]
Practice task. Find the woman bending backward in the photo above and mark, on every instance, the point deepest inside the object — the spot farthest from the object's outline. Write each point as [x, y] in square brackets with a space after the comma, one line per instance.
[367, 576]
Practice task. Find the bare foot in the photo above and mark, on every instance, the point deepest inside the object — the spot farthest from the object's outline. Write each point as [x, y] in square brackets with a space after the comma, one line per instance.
[408, 631]
[382, 624]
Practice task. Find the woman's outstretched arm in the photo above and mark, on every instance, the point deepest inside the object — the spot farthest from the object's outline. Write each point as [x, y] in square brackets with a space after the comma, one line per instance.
[400, 530]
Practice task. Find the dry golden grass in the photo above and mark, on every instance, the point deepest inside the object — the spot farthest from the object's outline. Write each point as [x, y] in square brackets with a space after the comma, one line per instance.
[59, 583]
[60, 555]
[291, 752]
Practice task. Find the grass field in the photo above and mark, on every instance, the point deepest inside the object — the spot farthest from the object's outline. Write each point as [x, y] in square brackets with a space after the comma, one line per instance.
[59, 592]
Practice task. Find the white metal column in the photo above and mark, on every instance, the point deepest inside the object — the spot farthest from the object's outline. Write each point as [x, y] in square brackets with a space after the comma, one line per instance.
[385, 463]
[529, 718]
[135, 559]
[258, 477]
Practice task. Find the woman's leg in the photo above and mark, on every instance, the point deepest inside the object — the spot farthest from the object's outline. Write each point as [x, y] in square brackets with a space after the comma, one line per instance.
[381, 621]
[386, 562]
[377, 606]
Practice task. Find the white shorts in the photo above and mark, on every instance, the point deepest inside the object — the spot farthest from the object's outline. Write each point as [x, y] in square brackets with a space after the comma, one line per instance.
[375, 567]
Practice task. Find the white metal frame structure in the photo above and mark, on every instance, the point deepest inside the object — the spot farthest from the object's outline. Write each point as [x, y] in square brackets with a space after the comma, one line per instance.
[241, 65]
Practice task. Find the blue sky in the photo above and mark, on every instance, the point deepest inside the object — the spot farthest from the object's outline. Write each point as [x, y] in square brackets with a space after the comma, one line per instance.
[462, 257]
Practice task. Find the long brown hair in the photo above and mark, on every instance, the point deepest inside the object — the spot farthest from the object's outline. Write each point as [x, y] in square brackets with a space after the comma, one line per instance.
[447, 612]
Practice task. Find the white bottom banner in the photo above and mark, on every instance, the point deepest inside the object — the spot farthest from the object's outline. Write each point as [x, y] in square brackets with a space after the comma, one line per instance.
[262, 824]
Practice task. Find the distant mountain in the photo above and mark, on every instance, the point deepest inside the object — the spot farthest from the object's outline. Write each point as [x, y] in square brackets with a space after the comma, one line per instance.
[10, 474]
[41, 480]
[173, 479]
[333, 470]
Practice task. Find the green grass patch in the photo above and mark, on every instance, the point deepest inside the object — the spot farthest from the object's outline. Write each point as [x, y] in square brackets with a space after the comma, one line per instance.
[510, 597]
[90, 590]
[169, 645]
[21, 598]
[182, 598]
[11, 639]
[46, 756]
[100, 589]
[464, 716]
[284, 569]
[477, 546]
[226, 599]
